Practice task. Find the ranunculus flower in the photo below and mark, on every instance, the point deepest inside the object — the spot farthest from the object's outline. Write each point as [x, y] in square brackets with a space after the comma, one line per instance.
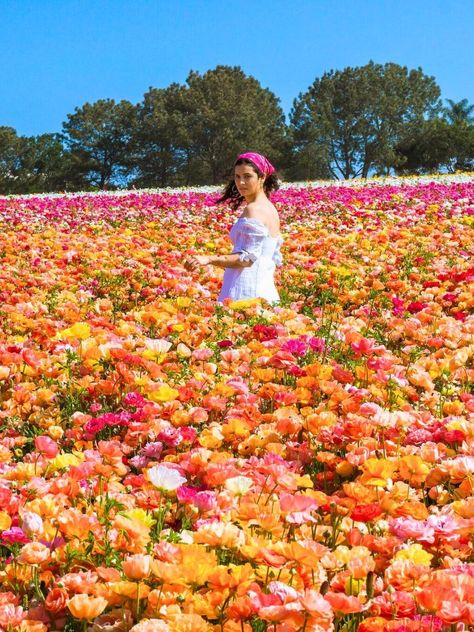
[366, 513]
[45, 445]
[151, 625]
[56, 600]
[238, 485]
[85, 607]
[165, 478]
[15, 535]
[137, 566]
[32, 523]
[33, 553]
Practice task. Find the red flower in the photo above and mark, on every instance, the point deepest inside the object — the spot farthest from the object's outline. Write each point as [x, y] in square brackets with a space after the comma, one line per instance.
[416, 307]
[366, 513]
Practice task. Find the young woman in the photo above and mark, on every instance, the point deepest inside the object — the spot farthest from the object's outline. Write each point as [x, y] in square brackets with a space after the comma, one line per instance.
[255, 235]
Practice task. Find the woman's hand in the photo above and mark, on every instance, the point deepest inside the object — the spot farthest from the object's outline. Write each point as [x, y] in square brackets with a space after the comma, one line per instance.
[196, 261]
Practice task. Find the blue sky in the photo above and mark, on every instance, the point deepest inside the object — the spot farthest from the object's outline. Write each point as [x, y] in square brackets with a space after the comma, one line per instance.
[58, 54]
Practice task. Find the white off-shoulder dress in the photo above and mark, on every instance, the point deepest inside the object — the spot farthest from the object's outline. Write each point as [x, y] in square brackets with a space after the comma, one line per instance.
[252, 240]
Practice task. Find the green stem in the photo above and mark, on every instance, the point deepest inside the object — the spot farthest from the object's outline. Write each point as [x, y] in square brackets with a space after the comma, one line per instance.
[137, 604]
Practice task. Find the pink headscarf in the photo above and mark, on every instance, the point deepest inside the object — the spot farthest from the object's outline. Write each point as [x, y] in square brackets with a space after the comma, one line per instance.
[259, 161]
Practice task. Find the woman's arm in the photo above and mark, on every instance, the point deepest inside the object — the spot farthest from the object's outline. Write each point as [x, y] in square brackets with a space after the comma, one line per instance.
[221, 261]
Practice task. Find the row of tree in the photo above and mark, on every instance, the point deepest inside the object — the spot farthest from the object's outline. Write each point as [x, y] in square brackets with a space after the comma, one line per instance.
[369, 120]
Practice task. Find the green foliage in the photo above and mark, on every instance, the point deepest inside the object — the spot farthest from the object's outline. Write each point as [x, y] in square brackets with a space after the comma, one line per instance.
[434, 145]
[160, 142]
[349, 123]
[353, 118]
[98, 136]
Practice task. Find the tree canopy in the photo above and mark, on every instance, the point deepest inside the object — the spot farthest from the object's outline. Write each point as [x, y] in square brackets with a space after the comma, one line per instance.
[355, 122]
[352, 119]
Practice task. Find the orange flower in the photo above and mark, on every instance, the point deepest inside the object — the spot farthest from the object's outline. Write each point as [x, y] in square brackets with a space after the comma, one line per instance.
[372, 624]
[188, 623]
[151, 625]
[241, 609]
[131, 590]
[413, 469]
[81, 582]
[84, 607]
[166, 571]
[56, 600]
[343, 604]
[28, 625]
[431, 598]
[404, 574]
[296, 552]
[231, 576]
[134, 535]
[376, 472]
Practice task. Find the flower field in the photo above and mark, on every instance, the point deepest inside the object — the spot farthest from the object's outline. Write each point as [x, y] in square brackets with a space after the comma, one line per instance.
[170, 464]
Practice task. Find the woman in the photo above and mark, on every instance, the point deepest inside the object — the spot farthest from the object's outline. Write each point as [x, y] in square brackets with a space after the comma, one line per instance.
[255, 235]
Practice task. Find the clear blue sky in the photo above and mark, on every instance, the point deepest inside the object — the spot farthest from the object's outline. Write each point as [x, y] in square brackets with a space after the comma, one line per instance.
[58, 54]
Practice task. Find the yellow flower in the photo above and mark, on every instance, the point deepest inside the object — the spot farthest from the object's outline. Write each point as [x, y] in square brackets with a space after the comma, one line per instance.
[5, 521]
[66, 460]
[163, 394]
[244, 303]
[140, 515]
[416, 554]
[78, 330]
[183, 301]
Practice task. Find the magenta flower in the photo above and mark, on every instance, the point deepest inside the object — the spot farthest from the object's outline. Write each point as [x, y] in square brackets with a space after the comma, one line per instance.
[14, 535]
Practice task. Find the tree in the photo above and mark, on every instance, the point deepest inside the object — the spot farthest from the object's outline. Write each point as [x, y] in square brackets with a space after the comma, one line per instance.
[436, 145]
[352, 119]
[229, 112]
[47, 166]
[10, 165]
[160, 143]
[424, 148]
[98, 136]
[462, 147]
[459, 112]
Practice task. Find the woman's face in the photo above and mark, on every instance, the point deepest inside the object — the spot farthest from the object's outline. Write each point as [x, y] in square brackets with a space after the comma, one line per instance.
[247, 181]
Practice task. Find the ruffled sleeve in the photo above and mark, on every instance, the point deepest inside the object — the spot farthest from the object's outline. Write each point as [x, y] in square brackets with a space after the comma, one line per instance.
[250, 235]
[277, 256]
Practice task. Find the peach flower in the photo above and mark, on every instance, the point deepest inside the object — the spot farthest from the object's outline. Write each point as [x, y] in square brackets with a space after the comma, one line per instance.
[34, 553]
[85, 607]
[137, 566]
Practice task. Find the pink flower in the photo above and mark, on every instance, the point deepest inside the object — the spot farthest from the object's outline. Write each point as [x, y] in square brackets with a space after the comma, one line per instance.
[45, 445]
[409, 528]
[134, 399]
[152, 450]
[297, 346]
[15, 535]
[202, 354]
[94, 425]
[317, 344]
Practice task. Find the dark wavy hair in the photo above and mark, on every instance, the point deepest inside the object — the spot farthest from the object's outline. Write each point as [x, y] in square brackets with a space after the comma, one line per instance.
[232, 194]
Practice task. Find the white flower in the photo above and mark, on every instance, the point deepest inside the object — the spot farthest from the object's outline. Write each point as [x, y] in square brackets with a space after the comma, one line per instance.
[32, 523]
[158, 345]
[183, 351]
[239, 485]
[165, 478]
